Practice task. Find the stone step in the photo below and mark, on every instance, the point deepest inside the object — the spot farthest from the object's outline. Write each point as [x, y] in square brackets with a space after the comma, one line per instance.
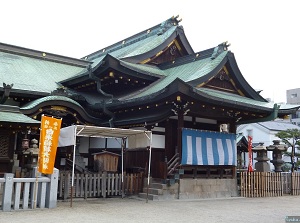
[157, 186]
[152, 197]
[153, 191]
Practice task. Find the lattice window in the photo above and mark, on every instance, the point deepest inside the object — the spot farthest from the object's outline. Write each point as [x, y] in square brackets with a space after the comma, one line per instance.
[4, 142]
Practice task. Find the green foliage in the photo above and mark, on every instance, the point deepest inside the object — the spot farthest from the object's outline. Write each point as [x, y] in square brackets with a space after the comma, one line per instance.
[286, 153]
[286, 167]
[290, 137]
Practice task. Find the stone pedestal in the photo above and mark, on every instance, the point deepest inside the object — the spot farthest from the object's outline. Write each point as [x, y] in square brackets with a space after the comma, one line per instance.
[262, 159]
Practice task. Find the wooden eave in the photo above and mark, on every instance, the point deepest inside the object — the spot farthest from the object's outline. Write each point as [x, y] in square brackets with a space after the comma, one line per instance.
[244, 85]
[109, 62]
[135, 117]
[26, 94]
[284, 112]
[106, 70]
[241, 85]
[180, 87]
[201, 105]
[177, 86]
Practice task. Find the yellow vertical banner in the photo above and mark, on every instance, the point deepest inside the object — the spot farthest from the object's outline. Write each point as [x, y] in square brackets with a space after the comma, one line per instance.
[49, 134]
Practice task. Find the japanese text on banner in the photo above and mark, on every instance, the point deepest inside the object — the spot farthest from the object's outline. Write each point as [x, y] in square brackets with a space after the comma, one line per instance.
[50, 129]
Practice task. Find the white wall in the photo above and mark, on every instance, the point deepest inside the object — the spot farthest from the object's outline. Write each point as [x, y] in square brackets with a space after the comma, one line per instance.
[260, 134]
[158, 141]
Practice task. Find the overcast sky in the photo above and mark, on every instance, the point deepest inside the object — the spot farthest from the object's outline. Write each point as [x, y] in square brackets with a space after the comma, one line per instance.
[264, 34]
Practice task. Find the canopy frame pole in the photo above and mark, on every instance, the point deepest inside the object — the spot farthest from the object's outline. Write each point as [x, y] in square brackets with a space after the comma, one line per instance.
[122, 165]
[73, 166]
[149, 163]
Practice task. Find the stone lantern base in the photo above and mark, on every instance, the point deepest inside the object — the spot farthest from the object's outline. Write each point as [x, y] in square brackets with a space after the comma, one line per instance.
[262, 167]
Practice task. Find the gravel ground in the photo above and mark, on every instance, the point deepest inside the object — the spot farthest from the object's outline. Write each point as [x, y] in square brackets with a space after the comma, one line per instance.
[273, 209]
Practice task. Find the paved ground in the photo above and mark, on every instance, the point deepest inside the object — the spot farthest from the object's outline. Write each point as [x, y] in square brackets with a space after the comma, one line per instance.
[131, 210]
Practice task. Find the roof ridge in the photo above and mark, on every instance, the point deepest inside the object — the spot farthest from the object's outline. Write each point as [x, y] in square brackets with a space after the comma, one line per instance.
[22, 51]
[158, 29]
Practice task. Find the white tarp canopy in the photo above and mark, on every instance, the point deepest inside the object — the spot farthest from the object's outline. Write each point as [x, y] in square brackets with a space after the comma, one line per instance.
[136, 139]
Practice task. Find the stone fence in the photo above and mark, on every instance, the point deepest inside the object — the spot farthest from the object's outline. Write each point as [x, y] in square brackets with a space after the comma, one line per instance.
[28, 193]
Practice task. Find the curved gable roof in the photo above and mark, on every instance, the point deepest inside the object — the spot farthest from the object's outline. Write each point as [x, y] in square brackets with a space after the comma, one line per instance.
[184, 72]
[53, 100]
[147, 42]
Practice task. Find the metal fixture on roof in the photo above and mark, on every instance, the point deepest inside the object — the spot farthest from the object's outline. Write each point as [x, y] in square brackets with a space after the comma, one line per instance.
[167, 24]
[7, 88]
[219, 49]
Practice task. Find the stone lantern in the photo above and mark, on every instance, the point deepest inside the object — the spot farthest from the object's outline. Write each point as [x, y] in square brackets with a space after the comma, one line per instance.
[277, 150]
[262, 159]
[32, 154]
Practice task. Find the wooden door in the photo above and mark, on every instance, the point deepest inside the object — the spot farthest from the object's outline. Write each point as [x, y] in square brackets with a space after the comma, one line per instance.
[6, 151]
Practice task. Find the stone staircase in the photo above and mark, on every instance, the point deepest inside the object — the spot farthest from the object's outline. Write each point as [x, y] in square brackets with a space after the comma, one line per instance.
[164, 189]
[159, 190]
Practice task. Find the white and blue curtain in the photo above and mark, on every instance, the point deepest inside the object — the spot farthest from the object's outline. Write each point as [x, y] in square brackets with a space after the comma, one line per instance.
[208, 148]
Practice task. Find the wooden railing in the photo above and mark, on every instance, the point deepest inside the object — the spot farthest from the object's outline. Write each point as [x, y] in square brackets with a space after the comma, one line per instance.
[99, 185]
[172, 164]
[269, 184]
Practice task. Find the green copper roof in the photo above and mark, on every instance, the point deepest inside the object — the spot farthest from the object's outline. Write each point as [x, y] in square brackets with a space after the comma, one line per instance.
[144, 68]
[12, 114]
[288, 106]
[55, 98]
[147, 44]
[237, 99]
[196, 69]
[139, 47]
[185, 72]
[33, 74]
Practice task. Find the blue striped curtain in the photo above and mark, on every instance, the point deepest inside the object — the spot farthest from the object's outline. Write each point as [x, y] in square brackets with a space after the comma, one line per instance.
[201, 147]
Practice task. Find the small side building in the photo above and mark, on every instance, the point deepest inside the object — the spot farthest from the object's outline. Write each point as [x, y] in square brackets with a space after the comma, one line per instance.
[106, 161]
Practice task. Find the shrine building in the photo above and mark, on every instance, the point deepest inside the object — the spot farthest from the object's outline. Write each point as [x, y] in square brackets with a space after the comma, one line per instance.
[154, 80]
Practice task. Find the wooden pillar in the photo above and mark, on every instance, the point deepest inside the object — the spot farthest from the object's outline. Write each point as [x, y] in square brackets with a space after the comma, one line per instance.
[180, 125]
[170, 138]
[232, 129]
